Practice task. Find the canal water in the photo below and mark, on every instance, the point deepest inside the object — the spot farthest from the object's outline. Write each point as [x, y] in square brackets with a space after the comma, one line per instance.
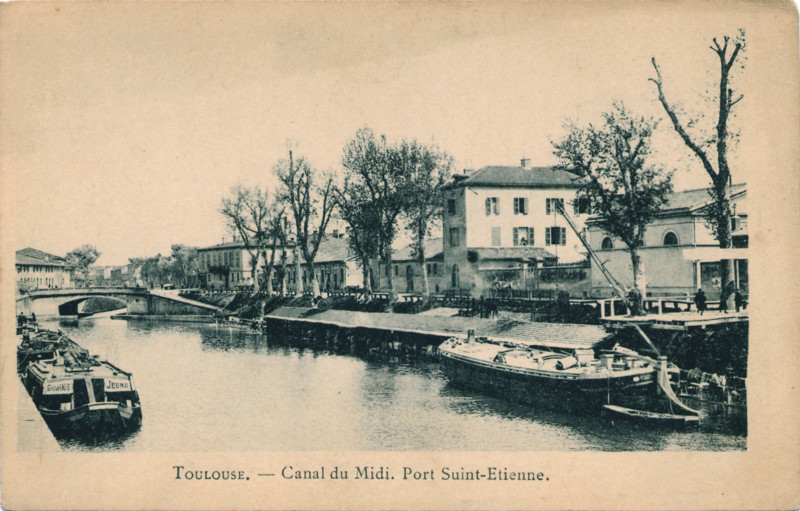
[208, 388]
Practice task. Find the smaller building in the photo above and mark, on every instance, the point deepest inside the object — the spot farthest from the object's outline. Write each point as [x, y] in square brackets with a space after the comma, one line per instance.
[680, 253]
[227, 266]
[39, 270]
[224, 266]
[406, 270]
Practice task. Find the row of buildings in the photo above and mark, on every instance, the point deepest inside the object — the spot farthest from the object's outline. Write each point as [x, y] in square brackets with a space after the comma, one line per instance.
[500, 229]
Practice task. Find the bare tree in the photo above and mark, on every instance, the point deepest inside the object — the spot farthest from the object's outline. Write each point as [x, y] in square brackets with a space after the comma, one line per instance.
[426, 170]
[311, 206]
[369, 165]
[247, 212]
[704, 146]
[619, 183]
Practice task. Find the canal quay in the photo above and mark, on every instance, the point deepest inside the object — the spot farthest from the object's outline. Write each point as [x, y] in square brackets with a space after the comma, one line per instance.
[298, 380]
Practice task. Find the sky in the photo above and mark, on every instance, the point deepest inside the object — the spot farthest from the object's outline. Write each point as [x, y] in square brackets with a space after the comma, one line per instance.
[123, 125]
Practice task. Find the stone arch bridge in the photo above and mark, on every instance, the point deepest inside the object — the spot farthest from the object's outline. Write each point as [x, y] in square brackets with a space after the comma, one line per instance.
[65, 302]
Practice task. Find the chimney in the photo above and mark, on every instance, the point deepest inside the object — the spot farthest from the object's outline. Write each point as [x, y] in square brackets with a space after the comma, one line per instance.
[524, 162]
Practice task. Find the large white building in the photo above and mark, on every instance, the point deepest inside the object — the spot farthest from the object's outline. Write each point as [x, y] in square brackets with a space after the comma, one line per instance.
[680, 253]
[499, 222]
[40, 270]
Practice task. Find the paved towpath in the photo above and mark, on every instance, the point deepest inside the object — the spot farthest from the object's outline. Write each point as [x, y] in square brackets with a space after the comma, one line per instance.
[558, 335]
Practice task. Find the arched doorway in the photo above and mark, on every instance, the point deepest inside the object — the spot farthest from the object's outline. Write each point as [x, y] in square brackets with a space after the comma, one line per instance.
[409, 279]
[455, 280]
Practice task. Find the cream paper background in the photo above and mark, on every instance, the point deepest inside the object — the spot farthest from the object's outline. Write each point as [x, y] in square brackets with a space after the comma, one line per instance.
[765, 476]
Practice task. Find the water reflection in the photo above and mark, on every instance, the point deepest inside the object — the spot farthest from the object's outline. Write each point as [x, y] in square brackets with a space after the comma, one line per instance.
[208, 388]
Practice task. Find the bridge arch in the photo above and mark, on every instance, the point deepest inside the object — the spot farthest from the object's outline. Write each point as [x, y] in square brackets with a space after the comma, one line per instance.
[71, 308]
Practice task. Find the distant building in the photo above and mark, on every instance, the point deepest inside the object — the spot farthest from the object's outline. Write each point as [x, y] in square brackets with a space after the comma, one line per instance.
[500, 223]
[40, 270]
[680, 253]
[224, 266]
[406, 270]
[227, 266]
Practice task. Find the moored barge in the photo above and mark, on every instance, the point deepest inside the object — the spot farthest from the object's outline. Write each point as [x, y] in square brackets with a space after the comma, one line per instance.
[577, 381]
[79, 395]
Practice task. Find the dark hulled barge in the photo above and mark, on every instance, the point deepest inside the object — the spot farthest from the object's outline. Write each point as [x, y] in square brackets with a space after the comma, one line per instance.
[576, 381]
[78, 395]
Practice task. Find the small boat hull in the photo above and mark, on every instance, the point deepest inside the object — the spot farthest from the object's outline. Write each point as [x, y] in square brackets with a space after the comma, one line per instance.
[651, 418]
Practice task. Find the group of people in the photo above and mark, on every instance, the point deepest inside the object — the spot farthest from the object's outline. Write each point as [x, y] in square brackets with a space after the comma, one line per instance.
[730, 290]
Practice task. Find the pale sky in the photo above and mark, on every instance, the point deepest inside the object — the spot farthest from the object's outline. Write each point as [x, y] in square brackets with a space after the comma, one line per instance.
[125, 124]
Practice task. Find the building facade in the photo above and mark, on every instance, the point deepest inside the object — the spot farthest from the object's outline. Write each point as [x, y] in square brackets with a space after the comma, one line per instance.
[406, 269]
[501, 222]
[224, 266]
[227, 266]
[680, 253]
[39, 270]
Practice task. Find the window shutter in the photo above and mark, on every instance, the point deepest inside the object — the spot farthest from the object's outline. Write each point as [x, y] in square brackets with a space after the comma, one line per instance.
[547, 235]
[516, 236]
[488, 206]
[530, 236]
[547, 207]
[525, 206]
[496, 206]
[563, 235]
[516, 206]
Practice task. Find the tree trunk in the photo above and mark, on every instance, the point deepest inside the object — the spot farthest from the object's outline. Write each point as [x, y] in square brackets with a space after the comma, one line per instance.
[387, 258]
[426, 288]
[314, 282]
[254, 273]
[298, 278]
[726, 269]
[283, 268]
[639, 281]
[366, 281]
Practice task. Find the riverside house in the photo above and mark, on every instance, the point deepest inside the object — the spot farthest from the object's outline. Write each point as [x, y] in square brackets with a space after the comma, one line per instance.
[500, 224]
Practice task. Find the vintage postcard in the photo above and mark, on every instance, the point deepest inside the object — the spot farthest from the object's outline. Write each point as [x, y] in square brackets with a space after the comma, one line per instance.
[399, 255]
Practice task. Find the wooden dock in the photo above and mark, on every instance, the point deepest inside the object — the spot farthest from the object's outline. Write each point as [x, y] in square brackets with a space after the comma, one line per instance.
[676, 320]
[545, 335]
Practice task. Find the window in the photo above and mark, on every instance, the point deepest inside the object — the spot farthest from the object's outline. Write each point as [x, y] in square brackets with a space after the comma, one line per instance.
[451, 206]
[555, 236]
[396, 271]
[607, 244]
[435, 269]
[523, 236]
[520, 206]
[492, 206]
[581, 206]
[670, 239]
[428, 268]
[495, 236]
[550, 205]
[454, 236]
[454, 277]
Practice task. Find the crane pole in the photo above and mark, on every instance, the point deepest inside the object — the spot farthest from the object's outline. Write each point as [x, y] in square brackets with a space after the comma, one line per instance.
[619, 288]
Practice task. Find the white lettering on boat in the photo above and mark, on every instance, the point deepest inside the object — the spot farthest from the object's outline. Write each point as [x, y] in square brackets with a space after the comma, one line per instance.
[117, 385]
[57, 387]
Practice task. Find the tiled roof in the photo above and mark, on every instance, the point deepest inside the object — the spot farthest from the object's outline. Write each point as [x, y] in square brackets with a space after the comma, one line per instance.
[32, 256]
[694, 199]
[434, 250]
[686, 201]
[330, 250]
[500, 253]
[520, 177]
[221, 246]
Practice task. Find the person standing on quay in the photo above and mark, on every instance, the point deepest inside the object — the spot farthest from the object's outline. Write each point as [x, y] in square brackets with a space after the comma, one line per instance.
[700, 301]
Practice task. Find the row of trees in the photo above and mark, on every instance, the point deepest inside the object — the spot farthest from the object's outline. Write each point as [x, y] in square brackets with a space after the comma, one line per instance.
[628, 190]
[384, 188]
[180, 268]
